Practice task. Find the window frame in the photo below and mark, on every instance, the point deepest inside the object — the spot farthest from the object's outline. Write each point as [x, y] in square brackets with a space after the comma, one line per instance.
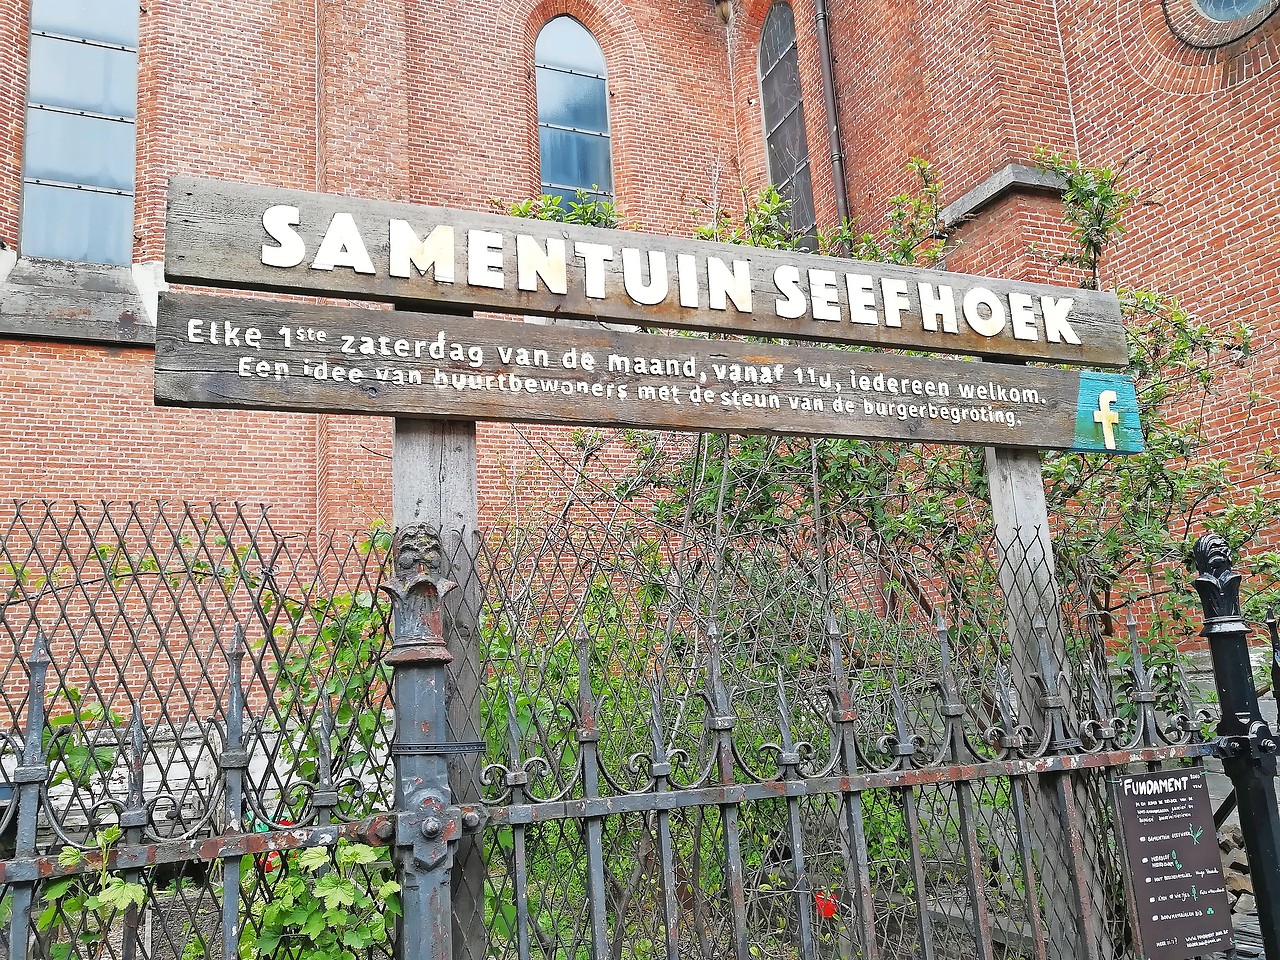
[791, 49]
[1189, 21]
[551, 187]
[31, 106]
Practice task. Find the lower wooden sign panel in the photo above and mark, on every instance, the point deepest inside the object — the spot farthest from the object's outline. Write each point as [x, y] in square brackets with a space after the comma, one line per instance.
[272, 355]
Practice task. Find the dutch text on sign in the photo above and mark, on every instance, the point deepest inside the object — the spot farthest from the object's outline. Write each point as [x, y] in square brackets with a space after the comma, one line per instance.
[260, 238]
[237, 352]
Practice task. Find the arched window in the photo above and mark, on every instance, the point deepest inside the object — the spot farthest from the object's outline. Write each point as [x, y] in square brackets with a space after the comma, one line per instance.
[573, 110]
[784, 116]
[1225, 11]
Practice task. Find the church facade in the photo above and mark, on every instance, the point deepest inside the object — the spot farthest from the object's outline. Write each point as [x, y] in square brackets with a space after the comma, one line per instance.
[671, 111]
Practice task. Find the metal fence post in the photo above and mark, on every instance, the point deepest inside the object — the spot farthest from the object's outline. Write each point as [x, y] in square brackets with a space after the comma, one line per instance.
[1245, 741]
[435, 511]
[427, 824]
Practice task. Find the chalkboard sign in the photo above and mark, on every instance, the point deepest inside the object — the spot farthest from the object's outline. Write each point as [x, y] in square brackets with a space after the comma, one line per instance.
[1179, 891]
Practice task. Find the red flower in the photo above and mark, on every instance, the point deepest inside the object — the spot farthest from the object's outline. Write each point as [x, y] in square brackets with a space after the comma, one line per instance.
[825, 904]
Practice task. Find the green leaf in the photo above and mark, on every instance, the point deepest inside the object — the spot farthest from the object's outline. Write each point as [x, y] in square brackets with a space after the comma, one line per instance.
[314, 858]
[335, 891]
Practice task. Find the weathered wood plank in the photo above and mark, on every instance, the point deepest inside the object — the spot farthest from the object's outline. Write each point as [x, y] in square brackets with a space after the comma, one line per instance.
[31, 313]
[259, 238]
[260, 354]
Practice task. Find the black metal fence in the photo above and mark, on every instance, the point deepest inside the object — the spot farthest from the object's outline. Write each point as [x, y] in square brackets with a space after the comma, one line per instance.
[770, 745]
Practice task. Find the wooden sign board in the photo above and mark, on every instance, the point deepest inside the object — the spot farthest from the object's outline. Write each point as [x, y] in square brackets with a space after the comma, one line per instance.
[1171, 843]
[261, 354]
[258, 238]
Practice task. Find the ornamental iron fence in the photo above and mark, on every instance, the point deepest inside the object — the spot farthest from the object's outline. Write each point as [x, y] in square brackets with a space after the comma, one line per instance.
[797, 741]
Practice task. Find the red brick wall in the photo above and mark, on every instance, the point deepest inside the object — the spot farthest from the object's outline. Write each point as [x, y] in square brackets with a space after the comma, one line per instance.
[78, 424]
[13, 101]
[378, 99]
[436, 103]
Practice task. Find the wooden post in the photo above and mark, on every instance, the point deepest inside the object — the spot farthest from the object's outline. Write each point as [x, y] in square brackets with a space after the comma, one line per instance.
[1065, 853]
[436, 657]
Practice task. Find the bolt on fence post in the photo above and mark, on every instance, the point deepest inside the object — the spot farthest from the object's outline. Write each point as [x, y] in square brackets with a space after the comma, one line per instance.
[1245, 742]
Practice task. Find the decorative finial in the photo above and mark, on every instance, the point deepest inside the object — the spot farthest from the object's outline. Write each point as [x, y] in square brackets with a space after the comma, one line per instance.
[1217, 584]
[418, 587]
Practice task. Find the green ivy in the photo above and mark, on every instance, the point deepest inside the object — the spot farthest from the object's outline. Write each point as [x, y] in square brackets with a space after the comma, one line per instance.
[328, 904]
[86, 903]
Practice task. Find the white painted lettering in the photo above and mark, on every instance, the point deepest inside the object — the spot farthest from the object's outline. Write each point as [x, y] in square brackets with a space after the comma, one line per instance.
[994, 320]
[594, 257]
[279, 222]
[862, 299]
[655, 290]
[825, 295]
[484, 259]
[1023, 317]
[534, 263]
[938, 305]
[725, 283]
[687, 274]
[793, 304]
[342, 246]
[1057, 313]
[435, 253]
[894, 292]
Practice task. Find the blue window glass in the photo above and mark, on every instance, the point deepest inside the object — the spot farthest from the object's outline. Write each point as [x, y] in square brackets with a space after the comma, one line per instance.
[80, 135]
[78, 76]
[573, 110]
[70, 224]
[787, 146]
[106, 21]
[84, 151]
[1225, 11]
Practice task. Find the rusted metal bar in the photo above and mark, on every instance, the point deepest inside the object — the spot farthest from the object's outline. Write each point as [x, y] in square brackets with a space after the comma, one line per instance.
[28, 779]
[720, 723]
[661, 771]
[516, 777]
[371, 830]
[853, 839]
[1026, 858]
[789, 768]
[975, 878]
[233, 762]
[588, 735]
[904, 748]
[738, 793]
[133, 817]
[1077, 858]
[375, 831]
[924, 919]
[325, 796]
